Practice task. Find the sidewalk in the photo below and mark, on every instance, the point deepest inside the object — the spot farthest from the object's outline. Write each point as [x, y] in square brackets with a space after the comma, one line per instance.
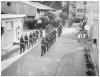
[9, 52]
[6, 63]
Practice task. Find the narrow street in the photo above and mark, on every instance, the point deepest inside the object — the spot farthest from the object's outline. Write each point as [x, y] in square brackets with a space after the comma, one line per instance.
[65, 57]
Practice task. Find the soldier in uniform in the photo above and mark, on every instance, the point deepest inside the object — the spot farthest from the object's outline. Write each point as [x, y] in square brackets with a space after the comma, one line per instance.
[34, 37]
[52, 38]
[54, 35]
[41, 32]
[26, 41]
[49, 40]
[43, 46]
[47, 43]
[30, 40]
[58, 31]
[22, 45]
[37, 33]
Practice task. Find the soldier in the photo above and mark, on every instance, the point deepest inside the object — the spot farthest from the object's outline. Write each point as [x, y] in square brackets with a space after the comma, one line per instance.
[37, 33]
[51, 39]
[22, 45]
[30, 40]
[43, 47]
[26, 41]
[34, 37]
[41, 32]
[58, 31]
[47, 43]
[55, 35]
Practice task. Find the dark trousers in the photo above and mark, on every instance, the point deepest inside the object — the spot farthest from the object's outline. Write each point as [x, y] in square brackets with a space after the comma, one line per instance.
[43, 50]
[22, 48]
[26, 44]
[30, 43]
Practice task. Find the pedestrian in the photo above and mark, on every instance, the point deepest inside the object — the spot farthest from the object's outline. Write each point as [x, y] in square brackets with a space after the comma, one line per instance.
[26, 41]
[84, 36]
[80, 36]
[22, 45]
[30, 40]
[34, 38]
[41, 33]
[37, 33]
[43, 47]
[46, 42]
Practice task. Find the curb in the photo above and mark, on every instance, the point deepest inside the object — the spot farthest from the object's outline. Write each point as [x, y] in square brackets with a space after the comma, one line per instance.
[6, 63]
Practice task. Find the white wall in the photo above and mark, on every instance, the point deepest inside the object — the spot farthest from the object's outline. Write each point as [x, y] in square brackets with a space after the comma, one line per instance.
[93, 22]
[8, 35]
[11, 33]
[92, 13]
[18, 29]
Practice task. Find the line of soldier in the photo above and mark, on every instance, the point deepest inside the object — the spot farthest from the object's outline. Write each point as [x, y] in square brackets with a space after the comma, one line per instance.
[47, 41]
[27, 41]
[59, 30]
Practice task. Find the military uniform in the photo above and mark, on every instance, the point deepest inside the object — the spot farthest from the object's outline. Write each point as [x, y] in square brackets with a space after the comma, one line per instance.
[43, 47]
[34, 38]
[41, 33]
[47, 43]
[22, 45]
[26, 41]
[30, 40]
[37, 35]
[54, 35]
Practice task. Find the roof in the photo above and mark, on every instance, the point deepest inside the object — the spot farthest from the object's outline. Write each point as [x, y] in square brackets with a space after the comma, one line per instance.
[38, 5]
[3, 16]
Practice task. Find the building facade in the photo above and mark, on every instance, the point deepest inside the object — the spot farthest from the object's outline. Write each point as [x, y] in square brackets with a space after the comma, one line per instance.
[93, 32]
[11, 28]
[81, 9]
[31, 9]
[72, 9]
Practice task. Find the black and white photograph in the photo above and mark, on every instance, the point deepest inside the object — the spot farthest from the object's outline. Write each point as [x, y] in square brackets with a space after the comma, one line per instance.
[49, 38]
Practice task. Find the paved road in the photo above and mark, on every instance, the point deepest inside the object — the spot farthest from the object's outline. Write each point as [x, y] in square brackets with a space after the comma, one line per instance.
[63, 58]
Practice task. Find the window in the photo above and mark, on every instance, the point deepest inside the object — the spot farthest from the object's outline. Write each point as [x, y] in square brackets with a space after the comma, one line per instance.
[8, 25]
[94, 41]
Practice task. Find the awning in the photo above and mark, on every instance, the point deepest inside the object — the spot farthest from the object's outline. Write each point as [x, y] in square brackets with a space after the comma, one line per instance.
[38, 5]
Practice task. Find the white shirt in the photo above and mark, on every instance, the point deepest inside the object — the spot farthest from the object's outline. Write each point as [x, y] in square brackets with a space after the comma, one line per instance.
[87, 27]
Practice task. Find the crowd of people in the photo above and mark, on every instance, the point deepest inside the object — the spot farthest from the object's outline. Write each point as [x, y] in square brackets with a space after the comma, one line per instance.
[27, 41]
[50, 39]
[82, 36]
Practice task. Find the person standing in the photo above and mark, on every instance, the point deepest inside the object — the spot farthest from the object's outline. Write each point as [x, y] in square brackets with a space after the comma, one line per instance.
[22, 45]
[30, 40]
[37, 33]
[26, 41]
[41, 33]
[43, 46]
